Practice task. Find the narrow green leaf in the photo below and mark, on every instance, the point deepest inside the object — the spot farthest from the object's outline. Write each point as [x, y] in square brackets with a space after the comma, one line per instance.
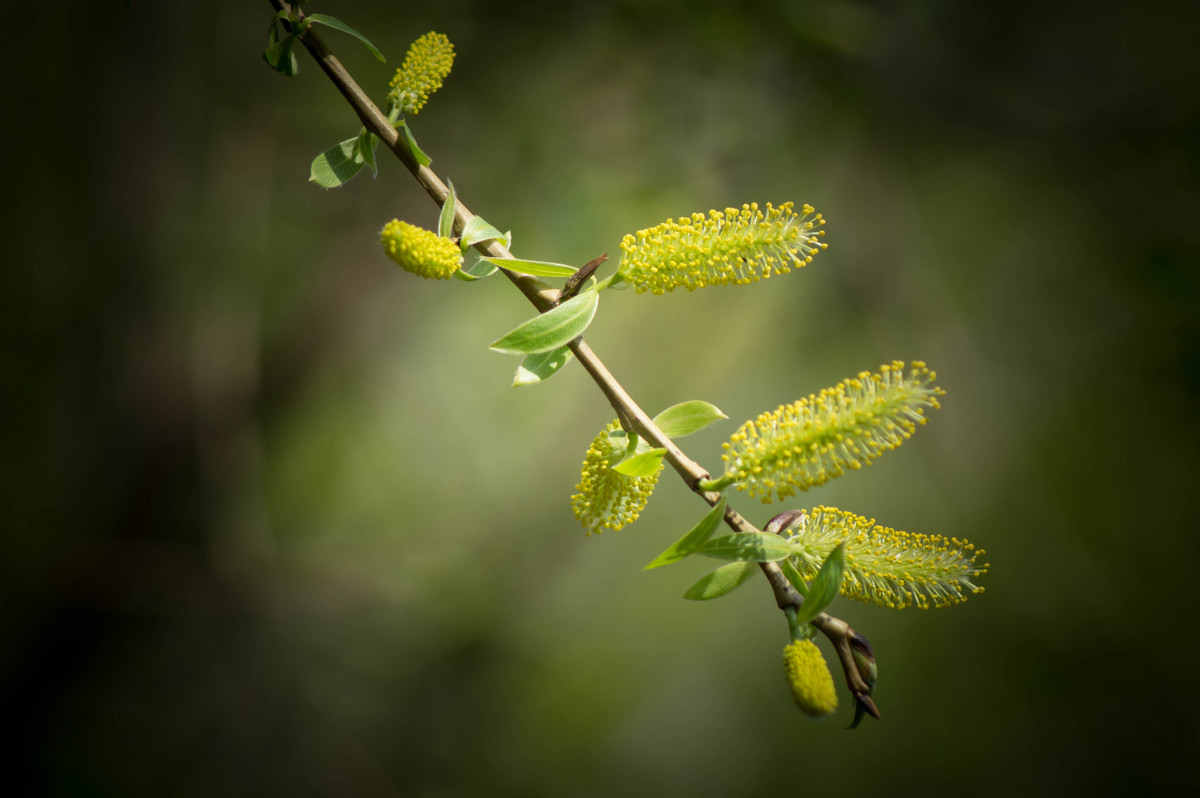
[825, 585]
[335, 166]
[725, 579]
[446, 219]
[747, 547]
[474, 267]
[476, 230]
[279, 55]
[551, 329]
[687, 417]
[337, 24]
[418, 156]
[794, 576]
[534, 267]
[641, 465]
[535, 368]
[694, 539]
[364, 150]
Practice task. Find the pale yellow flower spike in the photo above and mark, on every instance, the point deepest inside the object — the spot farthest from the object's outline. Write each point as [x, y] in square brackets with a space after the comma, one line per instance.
[425, 66]
[606, 498]
[809, 678]
[886, 567]
[420, 251]
[736, 247]
[807, 443]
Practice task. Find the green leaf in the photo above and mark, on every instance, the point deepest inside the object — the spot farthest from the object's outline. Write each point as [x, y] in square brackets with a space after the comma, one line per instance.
[747, 547]
[687, 417]
[694, 539]
[446, 219]
[551, 329]
[475, 269]
[641, 465]
[364, 150]
[535, 368]
[418, 156]
[825, 586]
[794, 576]
[279, 55]
[335, 166]
[725, 579]
[476, 230]
[337, 24]
[534, 267]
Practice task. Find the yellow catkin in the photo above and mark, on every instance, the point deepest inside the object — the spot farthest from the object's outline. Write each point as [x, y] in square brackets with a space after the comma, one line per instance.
[884, 566]
[420, 251]
[730, 247]
[606, 498]
[425, 66]
[809, 678]
[807, 443]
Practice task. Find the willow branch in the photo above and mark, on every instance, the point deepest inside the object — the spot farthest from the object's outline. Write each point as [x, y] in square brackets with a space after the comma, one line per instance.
[544, 297]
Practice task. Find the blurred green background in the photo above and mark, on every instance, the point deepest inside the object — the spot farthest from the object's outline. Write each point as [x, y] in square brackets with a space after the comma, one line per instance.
[276, 524]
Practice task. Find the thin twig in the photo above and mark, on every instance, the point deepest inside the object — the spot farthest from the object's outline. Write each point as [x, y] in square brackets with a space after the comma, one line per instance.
[544, 297]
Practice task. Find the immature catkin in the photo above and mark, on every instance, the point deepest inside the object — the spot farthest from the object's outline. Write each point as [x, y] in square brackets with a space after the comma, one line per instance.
[732, 247]
[884, 566]
[809, 678]
[807, 443]
[606, 498]
[420, 251]
[425, 66]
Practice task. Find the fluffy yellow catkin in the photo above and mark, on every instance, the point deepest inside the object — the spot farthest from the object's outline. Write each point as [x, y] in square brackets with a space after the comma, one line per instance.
[884, 566]
[420, 251]
[606, 498]
[730, 247]
[807, 443]
[425, 66]
[809, 678]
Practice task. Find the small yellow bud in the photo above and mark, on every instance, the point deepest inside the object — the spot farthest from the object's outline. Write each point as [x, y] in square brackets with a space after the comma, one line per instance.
[420, 251]
[425, 66]
[606, 498]
[809, 678]
[736, 247]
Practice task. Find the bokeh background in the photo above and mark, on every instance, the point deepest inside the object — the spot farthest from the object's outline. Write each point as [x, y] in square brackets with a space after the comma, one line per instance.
[276, 524]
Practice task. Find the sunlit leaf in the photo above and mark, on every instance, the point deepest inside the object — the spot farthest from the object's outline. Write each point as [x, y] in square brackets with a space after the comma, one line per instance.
[551, 329]
[335, 166]
[725, 579]
[535, 368]
[825, 585]
[446, 219]
[687, 417]
[641, 465]
[337, 24]
[535, 267]
[694, 539]
[747, 547]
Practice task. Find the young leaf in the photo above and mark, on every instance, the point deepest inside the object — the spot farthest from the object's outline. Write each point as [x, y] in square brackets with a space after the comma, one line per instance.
[335, 166]
[825, 586]
[747, 547]
[420, 157]
[794, 576]
[364, 150]
[535, 368]
[725, 579]
[337, 24]
[446, 219]
[693, 540]
[687, 417]
[474, 267]
[477, 230]
[551, 329]
[279, 55]
[641, 465]
[534, 267]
